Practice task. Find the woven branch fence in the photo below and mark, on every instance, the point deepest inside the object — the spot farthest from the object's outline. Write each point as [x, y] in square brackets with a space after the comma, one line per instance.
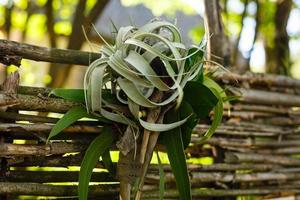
[255, 152]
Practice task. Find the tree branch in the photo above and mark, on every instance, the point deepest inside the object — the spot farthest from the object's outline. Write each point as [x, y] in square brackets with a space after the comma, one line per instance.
[281, 42]
[215, 33]
[50, 23]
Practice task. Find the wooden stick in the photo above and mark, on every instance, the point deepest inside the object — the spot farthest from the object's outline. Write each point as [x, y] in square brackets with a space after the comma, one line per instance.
[104, 191]
[206, 177]
[25, 117]
[266, 97]
[111, 191]
[257, 79]
[222, 192]
[197, 179]
[46, 128]
[75, 160]
[54, 176]
[252, 143]
[35, 103]
[49, 161]
[231, 157]
[44, 54]
[39, 149]
[262, 108]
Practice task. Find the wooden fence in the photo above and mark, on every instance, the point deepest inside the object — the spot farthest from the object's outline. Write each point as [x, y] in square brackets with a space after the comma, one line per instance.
[255, 152]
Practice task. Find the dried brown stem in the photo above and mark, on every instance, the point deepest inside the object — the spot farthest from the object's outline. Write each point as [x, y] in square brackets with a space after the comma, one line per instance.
[152, 117]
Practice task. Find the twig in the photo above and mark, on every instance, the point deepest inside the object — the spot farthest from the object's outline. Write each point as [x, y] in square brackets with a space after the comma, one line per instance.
[111, 191]
[265, 97]
[35, 103]
[54, 176]
[231, 157]
[257, 79]
[29, 118]
[104, 191]
[39, 150]
[44, 54]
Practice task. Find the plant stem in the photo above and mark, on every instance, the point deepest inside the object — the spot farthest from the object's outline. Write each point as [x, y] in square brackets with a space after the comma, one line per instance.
[152, 117]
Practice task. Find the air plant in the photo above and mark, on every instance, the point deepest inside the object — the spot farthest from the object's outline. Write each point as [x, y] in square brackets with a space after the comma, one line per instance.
[147, 88]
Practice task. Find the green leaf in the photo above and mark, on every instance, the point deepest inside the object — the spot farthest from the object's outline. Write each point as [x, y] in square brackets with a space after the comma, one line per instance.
[108, 164]
[185, 110]
[196, 57]
[69, 118]
[174, 146]
[161, 178]
[96, 149]
[76, 95]
[218, 109]
[200, 97]
[218, 114]
[218, 90]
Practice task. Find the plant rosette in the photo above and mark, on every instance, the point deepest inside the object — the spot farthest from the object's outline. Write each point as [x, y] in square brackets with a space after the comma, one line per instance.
[147, 88]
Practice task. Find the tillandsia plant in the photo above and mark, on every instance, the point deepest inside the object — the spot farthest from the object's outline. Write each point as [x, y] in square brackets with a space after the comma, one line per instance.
[147, 88]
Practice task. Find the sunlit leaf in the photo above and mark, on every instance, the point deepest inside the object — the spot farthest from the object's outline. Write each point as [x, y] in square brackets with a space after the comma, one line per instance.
[69, 118]
[218, 109]
[218, 90]
[76, 95]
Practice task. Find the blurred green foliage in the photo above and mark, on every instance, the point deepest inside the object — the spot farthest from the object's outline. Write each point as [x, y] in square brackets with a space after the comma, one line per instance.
[28, 23]
[267, 26]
